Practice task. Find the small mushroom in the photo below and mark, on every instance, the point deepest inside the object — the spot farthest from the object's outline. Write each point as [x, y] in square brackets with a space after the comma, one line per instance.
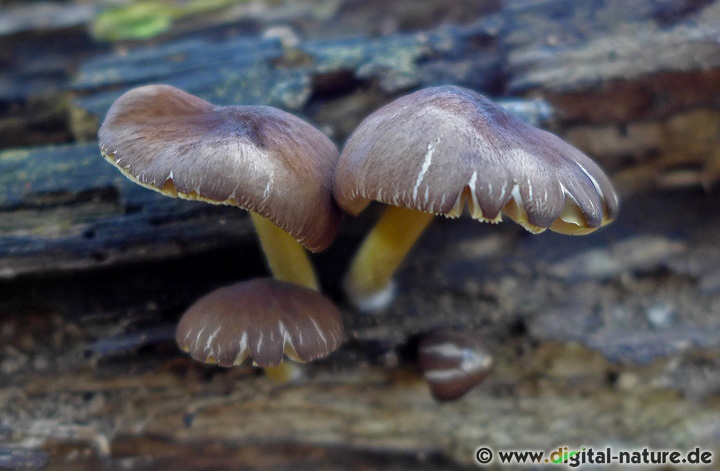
[453, 363]
[437, 150]
[257, 157]
[263, 319]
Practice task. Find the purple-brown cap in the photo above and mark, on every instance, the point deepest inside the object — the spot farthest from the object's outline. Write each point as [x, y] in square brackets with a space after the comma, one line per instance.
[441, 148]
[256, 157]
[452, 363]
[263, 319]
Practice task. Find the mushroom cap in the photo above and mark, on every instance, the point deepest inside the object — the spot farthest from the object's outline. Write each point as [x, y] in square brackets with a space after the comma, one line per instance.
[440, 148]
[263, 319]
[453, 363]
[256, 157]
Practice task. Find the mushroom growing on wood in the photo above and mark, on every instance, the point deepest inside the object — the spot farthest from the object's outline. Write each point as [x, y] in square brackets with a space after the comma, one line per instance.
[437, 150]
[263, 319]
[452, 363]
[260, 158]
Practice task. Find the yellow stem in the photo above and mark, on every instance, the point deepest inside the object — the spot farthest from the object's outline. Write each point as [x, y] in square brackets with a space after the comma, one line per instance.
[284, 373]
[382, 252]
[286, 258]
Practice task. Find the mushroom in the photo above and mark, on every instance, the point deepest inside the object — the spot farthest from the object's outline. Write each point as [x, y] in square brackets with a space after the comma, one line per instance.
[452, 363]
[264, 319]
[260, 158]
[439, 149]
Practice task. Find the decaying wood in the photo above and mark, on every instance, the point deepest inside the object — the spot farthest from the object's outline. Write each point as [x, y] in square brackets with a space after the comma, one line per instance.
[619, 325]
[65, 207]
[612, 339]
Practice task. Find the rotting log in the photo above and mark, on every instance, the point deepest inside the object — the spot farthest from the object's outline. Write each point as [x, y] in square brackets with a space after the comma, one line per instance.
[64, 207]
[609, 338]
[579, 328]
[618, 74]
[631, 82]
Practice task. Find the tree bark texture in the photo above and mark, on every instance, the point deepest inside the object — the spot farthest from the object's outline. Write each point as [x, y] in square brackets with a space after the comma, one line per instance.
[612, 339]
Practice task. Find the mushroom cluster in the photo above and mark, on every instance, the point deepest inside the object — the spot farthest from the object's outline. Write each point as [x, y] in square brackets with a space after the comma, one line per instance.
[260, 158]
[433, 152]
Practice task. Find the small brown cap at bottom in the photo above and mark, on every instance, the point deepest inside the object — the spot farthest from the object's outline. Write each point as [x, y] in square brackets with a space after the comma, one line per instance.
[453, 363]
[263, 319]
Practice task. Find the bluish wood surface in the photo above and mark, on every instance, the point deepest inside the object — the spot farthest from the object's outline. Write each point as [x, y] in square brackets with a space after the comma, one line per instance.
[65, 207]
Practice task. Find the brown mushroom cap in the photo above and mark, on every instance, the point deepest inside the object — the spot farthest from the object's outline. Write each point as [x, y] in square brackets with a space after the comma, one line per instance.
[453, 363]
[261, 319]
[440, 148]
[257, 157]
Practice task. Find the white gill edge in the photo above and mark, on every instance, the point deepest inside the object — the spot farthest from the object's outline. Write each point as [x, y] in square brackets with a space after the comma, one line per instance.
[268, 188]
[594, 182]
[242, 349]
[446, 350]
[319, 331]
[287, 338]
[210, 339]
[444, 374]
[425, 166]
[197, 338]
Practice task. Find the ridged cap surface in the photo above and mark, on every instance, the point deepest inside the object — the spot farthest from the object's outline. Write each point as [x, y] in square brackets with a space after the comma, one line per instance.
[441, 148]
[263, 319]
[257, 157]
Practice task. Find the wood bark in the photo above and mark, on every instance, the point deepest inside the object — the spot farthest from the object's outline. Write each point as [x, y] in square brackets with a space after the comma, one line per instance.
[612, 338]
